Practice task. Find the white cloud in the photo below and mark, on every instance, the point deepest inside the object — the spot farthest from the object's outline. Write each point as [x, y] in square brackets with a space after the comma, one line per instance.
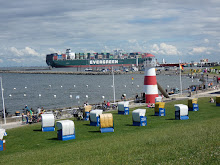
[22, 57]
[27, 51]
[15, 51]
[164, 49]
[115, 24]
[17, 60]
[199, 50]
[52, 50]
[30, 51]
[132, 41]
[106, 49]
[155, 47]
[206, 40]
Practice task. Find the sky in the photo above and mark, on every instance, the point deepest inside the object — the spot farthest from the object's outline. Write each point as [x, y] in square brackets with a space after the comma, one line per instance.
[170, 29]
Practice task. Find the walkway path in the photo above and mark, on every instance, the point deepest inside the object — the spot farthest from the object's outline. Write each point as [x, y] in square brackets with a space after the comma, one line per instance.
[210, 93]
[11, 125]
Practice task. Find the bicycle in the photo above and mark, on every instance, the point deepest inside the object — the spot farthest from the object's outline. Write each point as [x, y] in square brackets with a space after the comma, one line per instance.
[58, 114]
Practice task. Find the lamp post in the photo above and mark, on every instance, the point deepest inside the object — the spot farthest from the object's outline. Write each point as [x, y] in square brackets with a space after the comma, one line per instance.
[181, 88]
[3, 100]
[132, 83]
[113, 83]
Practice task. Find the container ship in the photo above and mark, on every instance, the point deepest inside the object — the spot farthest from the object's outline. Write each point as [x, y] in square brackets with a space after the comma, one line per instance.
[71, 59]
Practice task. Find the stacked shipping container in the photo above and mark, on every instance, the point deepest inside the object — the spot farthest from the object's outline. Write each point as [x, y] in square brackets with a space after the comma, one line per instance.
[103, 55]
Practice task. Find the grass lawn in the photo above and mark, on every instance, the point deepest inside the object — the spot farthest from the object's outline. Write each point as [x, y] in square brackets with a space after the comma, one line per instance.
[163, 141]
[216, 67]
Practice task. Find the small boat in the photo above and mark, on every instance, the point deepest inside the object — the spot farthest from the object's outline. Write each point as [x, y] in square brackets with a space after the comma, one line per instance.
[88, 70]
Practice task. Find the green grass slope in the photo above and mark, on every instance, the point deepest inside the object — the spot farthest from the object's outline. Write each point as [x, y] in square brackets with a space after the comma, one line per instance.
[216, 67]
[163, 141]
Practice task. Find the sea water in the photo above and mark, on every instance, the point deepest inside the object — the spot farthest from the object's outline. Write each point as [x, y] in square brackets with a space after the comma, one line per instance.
[52, 91]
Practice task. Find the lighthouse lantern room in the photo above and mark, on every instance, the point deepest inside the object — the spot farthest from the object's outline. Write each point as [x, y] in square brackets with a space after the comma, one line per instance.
[150, 81]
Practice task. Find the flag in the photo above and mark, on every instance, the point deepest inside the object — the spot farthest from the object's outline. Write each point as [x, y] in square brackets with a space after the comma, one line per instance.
[181, 67]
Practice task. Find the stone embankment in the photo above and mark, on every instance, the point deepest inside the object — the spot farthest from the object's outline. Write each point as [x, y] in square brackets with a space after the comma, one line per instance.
[158, 72]
[171, 72]
[68, 72]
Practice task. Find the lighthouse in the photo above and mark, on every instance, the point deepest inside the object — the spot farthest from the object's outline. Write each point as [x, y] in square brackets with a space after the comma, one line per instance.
[150, 81]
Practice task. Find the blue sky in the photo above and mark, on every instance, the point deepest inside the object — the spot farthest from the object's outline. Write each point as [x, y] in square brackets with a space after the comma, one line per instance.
[169, 29]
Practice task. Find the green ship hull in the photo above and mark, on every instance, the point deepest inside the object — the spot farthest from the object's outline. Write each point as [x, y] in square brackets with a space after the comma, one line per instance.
[92, 63]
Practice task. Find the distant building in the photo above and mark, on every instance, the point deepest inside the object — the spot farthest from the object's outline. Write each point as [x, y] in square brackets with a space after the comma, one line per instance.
[118, 52]
[204, 60]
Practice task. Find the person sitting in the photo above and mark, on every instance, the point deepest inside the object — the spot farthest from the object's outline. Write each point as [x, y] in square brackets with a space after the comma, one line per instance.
[104, 106]
[148, 105]
[212, 100]
[136, 97]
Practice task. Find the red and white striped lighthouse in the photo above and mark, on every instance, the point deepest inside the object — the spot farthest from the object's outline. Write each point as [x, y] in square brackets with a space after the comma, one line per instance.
[150, 81]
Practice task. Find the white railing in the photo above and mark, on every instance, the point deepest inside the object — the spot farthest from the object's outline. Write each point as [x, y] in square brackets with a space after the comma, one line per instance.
[150, 63]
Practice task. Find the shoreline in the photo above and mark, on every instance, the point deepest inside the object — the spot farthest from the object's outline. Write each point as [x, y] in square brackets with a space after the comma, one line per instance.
[161, 72]
[71, 73]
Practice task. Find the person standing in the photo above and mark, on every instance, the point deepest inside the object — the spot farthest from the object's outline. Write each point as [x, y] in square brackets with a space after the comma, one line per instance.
[26, 109]
[136, 97]
[30, 115]
[108, 104]
[122, 97]
[38, 110]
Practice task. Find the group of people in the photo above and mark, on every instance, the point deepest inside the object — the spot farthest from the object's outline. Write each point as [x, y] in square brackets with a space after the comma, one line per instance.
[149, 105]
[106, 105]
[31, 116]
[172, 91]
[140, 99]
